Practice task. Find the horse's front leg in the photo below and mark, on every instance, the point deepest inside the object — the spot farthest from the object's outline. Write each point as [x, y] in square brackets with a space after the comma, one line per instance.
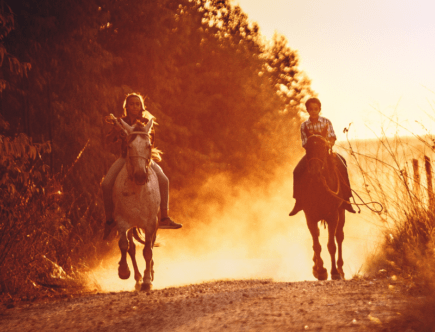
[152, 260]
[332, 227]
[132, 253]
[319, 272]
[148, 255]
[339, 236]
[123, 270]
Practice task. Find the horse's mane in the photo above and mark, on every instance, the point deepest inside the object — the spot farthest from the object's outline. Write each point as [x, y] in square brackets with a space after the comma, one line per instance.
[317, 137]
[155, 153]
[320, 138]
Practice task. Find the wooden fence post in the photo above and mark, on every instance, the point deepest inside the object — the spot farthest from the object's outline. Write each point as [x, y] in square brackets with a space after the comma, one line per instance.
[416, 178]
[428, 168]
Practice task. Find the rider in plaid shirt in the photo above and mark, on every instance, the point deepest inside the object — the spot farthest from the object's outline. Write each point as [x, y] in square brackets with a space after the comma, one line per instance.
[317, 125]
[321, 127]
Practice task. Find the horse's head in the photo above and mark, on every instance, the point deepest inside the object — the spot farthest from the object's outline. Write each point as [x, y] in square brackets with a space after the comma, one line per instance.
[318, 150]
[138, 151]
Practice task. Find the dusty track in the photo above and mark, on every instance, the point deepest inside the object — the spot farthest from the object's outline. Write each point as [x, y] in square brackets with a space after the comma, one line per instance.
[251, 305]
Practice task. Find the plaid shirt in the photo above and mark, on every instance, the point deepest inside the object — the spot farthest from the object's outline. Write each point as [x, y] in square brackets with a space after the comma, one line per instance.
[322, 127]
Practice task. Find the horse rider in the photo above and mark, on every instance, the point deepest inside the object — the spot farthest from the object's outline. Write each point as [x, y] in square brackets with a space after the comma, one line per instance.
[134, 110]
[317, 125]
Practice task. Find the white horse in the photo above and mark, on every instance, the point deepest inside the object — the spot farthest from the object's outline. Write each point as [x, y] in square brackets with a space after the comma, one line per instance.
[136, 199]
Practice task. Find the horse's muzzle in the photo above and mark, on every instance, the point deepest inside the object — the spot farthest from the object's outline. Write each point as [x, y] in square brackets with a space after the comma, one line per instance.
[140, 177]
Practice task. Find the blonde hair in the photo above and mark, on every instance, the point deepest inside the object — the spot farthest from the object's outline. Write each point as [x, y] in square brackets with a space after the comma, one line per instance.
[145, 113]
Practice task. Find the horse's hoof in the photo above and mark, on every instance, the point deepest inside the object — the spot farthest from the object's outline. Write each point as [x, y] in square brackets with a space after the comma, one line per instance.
[336, 276]
[146, 287]
[124, 274]
[138, 285]
[341, 273]
[322, 275]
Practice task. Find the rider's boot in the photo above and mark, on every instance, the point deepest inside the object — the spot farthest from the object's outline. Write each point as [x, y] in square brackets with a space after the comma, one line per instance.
[108, 227]
[168, 223]
[348, 207]
[297, 208]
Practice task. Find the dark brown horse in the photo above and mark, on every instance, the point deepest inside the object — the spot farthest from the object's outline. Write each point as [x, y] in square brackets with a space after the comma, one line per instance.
[323, 197]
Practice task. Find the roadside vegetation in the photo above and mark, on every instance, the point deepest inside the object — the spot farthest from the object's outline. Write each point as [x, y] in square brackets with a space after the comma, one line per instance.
[398, 173]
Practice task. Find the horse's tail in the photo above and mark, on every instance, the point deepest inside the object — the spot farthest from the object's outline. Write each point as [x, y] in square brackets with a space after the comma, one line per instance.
[140, 237]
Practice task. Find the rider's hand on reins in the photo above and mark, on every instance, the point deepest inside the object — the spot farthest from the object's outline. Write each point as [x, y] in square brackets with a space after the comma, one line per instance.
[119, 129]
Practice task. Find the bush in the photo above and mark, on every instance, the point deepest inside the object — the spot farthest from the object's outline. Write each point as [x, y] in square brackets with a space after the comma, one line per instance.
[47, 236]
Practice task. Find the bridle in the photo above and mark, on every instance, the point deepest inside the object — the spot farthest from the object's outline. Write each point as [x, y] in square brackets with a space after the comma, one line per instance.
[316, 158]
[323, 179]
[148, 160]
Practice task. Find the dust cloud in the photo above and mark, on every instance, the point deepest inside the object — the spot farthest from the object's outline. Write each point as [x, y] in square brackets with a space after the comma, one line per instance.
[246, 233]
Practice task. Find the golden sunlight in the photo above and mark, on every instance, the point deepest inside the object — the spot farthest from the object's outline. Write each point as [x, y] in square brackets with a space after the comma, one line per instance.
[251, 237]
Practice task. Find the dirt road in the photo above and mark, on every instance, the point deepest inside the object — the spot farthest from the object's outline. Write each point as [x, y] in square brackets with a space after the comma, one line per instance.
[247, 305]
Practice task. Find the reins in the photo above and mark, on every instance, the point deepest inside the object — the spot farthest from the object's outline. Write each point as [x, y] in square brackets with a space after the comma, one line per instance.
[309, 160]
[354, 203]
[363, 203]
[335, 194]
[138, 133]
[324, 182]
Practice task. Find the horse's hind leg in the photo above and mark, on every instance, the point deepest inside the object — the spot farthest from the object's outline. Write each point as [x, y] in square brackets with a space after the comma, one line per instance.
[332, 227]
[339, 235]
[123, 270]
[132, 253]
[319, 272]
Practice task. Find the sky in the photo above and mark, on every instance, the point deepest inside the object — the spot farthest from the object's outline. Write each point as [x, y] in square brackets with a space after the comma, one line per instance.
[367, 60]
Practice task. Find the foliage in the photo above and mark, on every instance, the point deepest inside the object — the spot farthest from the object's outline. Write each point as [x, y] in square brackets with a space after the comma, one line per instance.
[40, 245]
[228, 98]
[226, 101]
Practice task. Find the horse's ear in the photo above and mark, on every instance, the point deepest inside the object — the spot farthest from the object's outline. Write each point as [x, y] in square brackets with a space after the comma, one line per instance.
[126, 126]
[148, 126]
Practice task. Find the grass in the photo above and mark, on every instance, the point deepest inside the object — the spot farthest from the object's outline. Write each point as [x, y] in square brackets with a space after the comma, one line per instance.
[390, 175]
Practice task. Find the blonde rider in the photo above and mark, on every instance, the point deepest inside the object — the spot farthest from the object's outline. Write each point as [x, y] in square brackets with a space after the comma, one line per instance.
[134, 109]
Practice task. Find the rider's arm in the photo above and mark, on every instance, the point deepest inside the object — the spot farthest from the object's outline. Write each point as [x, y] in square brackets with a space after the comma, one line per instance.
[330, 133]
[114, 135]
[332, 141]
[303, 135]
